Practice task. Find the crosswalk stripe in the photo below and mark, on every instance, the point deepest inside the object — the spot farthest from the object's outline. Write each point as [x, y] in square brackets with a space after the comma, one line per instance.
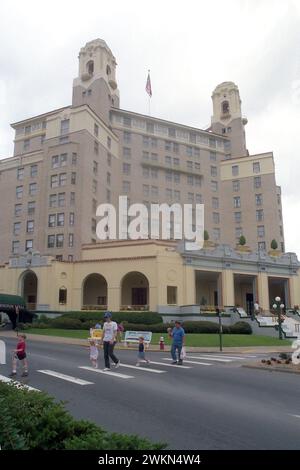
[68, 378]
[189, 362]
[155, 371]
[114, 374]
[17, 384]
[170, 365]
[227, 357]
[209, 358]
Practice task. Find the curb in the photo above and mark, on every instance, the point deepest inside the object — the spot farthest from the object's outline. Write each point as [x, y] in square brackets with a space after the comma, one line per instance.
[271, 369]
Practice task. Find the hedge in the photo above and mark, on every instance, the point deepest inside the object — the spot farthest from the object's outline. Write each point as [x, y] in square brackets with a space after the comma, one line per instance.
[32, 420]
[148, 318]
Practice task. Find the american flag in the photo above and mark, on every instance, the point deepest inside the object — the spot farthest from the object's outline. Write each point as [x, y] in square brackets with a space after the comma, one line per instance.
[148, 85]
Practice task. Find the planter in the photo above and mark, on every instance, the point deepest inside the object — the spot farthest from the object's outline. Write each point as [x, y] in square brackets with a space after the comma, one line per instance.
[243, 248]
[275, 253]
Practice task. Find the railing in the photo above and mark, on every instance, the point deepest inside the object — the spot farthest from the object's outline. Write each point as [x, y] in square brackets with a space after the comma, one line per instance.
[31, 306]
[94, 307]
[134, 307]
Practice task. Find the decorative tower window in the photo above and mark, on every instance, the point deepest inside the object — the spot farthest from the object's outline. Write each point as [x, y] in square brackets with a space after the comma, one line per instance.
[225, 107]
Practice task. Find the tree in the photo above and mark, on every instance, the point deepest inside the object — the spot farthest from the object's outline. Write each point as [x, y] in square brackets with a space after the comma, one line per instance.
[242, 240]
[274, 244]
[206, 235]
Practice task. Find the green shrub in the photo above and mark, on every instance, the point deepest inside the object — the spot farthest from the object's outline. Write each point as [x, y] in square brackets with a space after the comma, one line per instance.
[33, 420]
[146, 318]
[65, 323]
[240, 328]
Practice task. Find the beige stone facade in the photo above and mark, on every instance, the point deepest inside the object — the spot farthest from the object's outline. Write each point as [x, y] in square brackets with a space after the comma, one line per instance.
[68, 161]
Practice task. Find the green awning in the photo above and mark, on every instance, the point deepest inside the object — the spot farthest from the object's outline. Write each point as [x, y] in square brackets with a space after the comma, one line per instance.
[8, 299]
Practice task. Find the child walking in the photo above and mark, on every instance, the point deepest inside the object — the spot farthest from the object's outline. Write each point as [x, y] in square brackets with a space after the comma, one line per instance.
[20, 353]
[94, 353]
[141, 353]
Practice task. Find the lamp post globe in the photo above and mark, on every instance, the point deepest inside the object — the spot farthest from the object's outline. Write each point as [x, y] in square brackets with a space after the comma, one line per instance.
[277, 299]
[282, 306]
[274, 306]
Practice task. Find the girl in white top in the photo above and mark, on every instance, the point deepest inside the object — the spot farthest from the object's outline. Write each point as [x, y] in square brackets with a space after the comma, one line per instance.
[93, 353]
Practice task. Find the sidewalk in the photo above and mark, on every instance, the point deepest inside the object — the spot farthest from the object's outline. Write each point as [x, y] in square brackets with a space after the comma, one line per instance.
[153, 347]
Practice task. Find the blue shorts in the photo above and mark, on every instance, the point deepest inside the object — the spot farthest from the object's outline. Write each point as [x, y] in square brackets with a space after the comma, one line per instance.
[141, 355]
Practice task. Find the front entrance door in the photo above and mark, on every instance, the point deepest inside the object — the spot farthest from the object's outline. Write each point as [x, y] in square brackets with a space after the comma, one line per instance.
[249, 304]
[139, 296]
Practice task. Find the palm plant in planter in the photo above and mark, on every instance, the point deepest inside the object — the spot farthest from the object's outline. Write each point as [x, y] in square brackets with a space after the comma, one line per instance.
[274, 248]
[242, 244]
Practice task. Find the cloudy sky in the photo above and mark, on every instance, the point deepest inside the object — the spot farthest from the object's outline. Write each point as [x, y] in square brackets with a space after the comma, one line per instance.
[189, 46]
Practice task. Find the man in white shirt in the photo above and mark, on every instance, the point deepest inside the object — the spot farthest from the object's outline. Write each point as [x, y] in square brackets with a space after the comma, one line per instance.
[110, 329]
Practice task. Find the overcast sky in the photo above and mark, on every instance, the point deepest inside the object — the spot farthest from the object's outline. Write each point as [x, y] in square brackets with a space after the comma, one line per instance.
[189, 46]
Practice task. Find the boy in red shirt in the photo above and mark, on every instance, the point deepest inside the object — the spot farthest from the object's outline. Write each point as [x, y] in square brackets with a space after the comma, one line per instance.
[20, 353]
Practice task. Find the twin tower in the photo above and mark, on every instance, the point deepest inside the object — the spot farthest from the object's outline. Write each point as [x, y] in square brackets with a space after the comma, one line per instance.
[97, 87]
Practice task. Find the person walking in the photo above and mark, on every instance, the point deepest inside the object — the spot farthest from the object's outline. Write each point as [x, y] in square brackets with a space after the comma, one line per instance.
[141, 352]
[109, 339]
[120, 331]
[178, 341]
[20, 353]
[94, 353]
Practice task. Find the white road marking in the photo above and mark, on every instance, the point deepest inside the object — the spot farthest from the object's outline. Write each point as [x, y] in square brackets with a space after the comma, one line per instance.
[114, 374]
[17, 384]
[189, 362]
[170, 365]
[295, 416]
[155, 371]
[209, 358]
[227, 357]
[68, 378]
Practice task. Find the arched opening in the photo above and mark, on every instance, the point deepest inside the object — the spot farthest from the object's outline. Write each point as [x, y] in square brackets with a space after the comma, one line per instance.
[108, 70]
[29, 289]
[225, 107]
[90, 67]
[94, 292]
[134, 292]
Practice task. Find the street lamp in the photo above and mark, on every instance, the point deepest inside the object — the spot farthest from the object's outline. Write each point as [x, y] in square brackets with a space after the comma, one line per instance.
[278, 306]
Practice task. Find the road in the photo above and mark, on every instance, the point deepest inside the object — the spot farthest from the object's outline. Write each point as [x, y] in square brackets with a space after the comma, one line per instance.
[209, 404]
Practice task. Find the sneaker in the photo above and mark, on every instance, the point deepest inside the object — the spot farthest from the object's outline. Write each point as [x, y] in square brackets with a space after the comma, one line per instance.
[13, 374]
[25, 374]
[174, 362]
[106, 368]
[180, 362]
[117, 364]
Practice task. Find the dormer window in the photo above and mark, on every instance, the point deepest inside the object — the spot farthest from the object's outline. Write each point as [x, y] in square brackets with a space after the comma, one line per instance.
[108, 70]
[90, 67]
[225, 107]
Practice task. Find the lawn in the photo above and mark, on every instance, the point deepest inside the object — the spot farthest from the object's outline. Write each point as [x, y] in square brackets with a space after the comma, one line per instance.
[205, 340]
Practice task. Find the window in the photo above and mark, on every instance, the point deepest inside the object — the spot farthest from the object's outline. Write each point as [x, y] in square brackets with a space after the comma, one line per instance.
[150, 127]
[216, 233]
[59, 240]
[259, 215]
[168, 161]
[30, 226]
[189, 151]
[54, 181]
[190, 180]
[26, 145]
[96, 130]
[58, 257]
[60, 219]
[15, 247]
[280, 214]
[27, 130]
[94, 206]
[94, 186]
[62, 179]
[189, 164]
[172, 295]
[238, 217]
[154, 157]
[52, 220]
[258, 199]
[212, 156]
[127, 121]
[191, 197]
[62, 296]
[197, 166]
[20, 173]
[126, 168]
[197, 180]
[17, 228]
[176, 161]
[216, 218]
[146, 172]
[278, 199]
[127, 137]
[71, 240]
[154, 191]
[109, 159]
[168, 146]
[95, 167]
[108, 177]
[70, 258]
[43, 139]
[96, 147]
[177, 196]
[55, 161]
[169, 194]
[126, 187]
[199, 198]
[235, 170]
[127, 153]
[73, 178]
[169, 175]
[51, 241]
[108, 196]
[172, 132]
[63, 159]
[64, 139]
[225, 107]
[256, 167]
[31, 207]
[32, 189]
[193, 137]
[61, 199]
[213, 171]
[261, 246]
[215, 203]
[145, 190]
[19, 192]
[74, 158]
[72, 199]
[176, 177]
[261, 231]
[93, 226]
[236, 202]
[33, 171]
[64, 126]
[238, 232]
[282, 247]
[154, 173]
[212, 142]
[235, 185]
[175, 147]
[52, 200]
[18, 210]
[28, 245]
[145, 155]
[214, 185]
[281, 230]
